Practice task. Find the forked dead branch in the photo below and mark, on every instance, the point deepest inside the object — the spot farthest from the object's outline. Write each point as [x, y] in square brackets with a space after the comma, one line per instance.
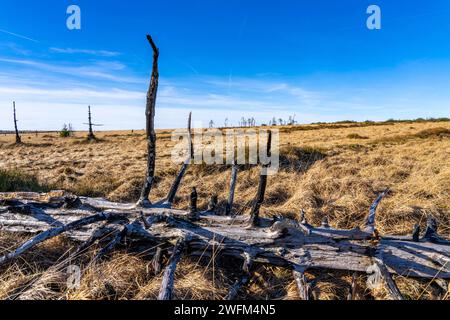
[254, 240]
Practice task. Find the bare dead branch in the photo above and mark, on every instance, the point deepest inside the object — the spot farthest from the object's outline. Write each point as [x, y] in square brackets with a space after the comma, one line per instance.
[245, 278]
[166, 290]
[229, 205]
[254, 215]
[370, 220]
[18, 139]
[184, 167]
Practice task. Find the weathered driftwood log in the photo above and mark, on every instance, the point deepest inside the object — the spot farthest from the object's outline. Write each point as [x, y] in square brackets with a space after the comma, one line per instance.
[285, 243]
[51, 233]
[150, 128]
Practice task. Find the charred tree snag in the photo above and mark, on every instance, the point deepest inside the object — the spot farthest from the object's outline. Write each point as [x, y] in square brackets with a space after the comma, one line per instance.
[229, 205]
[370, 220]
[91, 132]
[193, 211]
[150, 128]
[184, 167]
[18, 139]
[254, 215]
[212, 205]
[91, 136]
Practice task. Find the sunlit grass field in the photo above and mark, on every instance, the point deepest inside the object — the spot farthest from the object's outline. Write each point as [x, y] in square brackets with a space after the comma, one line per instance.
[333, 170]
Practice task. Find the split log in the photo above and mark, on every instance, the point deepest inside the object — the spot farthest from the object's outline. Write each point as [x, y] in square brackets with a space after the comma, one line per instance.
[150, 128]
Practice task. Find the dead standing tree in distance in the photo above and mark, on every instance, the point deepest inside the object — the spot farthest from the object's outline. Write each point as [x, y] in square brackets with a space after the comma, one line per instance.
[288, 243]
[91, 136]
[18, 139]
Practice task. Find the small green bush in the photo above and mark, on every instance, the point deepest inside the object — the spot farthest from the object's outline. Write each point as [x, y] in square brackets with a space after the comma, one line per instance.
[66, 131]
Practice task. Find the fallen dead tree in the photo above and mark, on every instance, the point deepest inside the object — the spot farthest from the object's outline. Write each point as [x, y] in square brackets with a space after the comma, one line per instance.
[292, 244]
[289, 243]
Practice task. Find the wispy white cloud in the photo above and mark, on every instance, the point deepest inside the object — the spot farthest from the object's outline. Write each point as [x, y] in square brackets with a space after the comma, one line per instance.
[101, 70]
[100, 53]
[49, 94]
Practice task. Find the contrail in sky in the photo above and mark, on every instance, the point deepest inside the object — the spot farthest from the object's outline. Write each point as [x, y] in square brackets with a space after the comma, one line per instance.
[18, 35]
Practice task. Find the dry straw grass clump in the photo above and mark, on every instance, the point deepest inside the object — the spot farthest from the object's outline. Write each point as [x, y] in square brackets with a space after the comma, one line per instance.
[328, 170]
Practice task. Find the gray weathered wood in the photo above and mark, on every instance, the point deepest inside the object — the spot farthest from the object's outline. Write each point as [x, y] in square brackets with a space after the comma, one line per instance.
[390, 283]
[51, 233]
[259, 199]
[18, 139]
[244, 279]
[303, 287]
[157, 261]
[371, 217]
[175, 185]
[285, 243]
[150, 128]
[229, 205]
[166, 290]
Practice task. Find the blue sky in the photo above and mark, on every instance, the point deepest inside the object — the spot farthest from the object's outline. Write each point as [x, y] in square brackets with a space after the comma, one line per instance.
[223, 59]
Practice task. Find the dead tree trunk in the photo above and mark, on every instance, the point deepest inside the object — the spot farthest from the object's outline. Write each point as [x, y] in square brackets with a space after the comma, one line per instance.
[229, 205]
[18, 139]
[254, 215]
[150, 128]
[173, 190]
[91, 132]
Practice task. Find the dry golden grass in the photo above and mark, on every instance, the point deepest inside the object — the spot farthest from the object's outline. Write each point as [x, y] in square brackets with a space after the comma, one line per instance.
[329, 170]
